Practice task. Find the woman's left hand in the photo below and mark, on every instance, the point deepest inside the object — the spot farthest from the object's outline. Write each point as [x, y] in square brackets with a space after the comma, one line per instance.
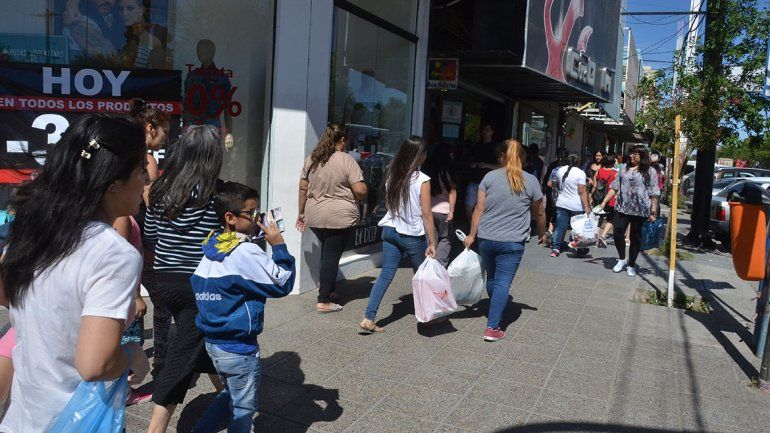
[141, 307]
[430, 251]
[450, 216]
[652, 217]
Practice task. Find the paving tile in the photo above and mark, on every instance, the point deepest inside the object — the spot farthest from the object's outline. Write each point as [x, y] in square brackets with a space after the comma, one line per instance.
[528, 374]
[571, 407]
[595, 348]
[421, 403]
[454, 358]
[381, 421]
[596, 387]
[576, 295]
[643, 376]
[483, 416]
[332, 353]
[543, 339]
[600, 312]
[724, 387]
[445, 428]
[389, 367]
[406, 350]
[362, 386]
[608, 304]
[613, 325]
[592, 366]
[703, 367]
[562, 305]
[492, 388]
[530, 354]
[715, 415]
[568, 318]
[549, 326]
[438, 377]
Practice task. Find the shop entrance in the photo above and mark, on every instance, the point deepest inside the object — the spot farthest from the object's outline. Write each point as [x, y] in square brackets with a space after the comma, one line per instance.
[453, 121]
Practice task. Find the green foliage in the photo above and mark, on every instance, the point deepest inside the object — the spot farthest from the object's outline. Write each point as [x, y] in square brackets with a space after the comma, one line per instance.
[738, 104]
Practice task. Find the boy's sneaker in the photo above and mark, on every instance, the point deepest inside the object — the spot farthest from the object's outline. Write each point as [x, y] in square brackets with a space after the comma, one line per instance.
[495, 334]
[136, 397]
[619, 266]
[555, 253]
[631, 271]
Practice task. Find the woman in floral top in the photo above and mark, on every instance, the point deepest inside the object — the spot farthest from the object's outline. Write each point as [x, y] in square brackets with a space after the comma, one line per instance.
[636, 192]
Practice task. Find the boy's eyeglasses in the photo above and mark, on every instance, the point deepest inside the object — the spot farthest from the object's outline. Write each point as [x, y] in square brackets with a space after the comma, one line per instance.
[253, 214]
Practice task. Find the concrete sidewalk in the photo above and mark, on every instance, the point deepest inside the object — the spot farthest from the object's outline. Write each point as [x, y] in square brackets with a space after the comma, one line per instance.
[579, 357]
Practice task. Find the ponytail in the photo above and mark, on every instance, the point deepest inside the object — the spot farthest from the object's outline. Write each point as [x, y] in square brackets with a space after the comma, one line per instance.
[511, 152]
[327, 146]
[572, 161]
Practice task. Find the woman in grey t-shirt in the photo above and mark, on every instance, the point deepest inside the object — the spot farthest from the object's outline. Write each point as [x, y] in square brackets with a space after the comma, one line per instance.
[501, 222]
[636, 191]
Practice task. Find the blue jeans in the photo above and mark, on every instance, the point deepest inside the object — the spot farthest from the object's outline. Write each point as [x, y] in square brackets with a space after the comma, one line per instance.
[500, 260]
[237, 403]
[562, 223]
[394, 246]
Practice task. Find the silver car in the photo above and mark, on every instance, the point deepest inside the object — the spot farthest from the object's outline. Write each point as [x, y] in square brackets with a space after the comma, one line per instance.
[720, 208]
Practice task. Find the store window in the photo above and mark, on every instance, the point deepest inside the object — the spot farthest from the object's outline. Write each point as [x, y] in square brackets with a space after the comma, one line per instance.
[371, 92]
[62, 58]
[402, 13]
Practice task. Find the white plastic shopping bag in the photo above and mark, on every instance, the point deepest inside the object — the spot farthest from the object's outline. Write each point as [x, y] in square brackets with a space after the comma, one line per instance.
[584, 230]
[433, 296]
[467, 276]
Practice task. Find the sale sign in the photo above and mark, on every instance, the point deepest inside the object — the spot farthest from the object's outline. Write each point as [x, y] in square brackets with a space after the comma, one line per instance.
[38, 102]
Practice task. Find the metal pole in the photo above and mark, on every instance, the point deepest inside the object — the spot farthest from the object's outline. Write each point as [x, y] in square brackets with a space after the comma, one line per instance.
[674, 208]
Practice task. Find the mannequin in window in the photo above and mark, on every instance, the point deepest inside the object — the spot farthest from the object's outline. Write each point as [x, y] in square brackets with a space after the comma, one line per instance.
[93, 27]
[208, 80]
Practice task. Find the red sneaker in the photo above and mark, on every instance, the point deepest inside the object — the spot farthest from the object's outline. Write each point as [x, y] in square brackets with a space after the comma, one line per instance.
[135, 397]
[493, 334]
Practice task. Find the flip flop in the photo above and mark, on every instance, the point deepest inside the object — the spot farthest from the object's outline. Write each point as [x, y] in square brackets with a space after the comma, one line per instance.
[334, 308]
[372, 330]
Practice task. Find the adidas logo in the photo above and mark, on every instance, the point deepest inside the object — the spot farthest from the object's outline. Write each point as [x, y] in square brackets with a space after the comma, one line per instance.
[207, 296]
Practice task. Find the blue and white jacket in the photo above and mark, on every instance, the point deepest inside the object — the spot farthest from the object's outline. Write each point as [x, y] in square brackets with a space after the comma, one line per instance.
[232, 283]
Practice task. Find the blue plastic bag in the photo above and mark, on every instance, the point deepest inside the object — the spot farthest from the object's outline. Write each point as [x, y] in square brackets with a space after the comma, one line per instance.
[651, 234]
[95, 407]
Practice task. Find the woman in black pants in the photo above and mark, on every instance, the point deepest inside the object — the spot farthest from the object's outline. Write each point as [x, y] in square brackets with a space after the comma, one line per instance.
[330, 186]
[636, 191]
[180, 215]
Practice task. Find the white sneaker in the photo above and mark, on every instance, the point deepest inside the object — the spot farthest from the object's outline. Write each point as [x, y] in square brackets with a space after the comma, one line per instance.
[631, 271]
[619, 266]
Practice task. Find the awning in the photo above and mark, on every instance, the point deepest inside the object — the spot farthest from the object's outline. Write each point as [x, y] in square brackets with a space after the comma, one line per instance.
[519, 82]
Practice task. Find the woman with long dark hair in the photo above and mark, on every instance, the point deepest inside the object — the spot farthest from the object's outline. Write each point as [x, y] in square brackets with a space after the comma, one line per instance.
[330, 185]
[443, 198]
[602, 181]
[636, 192]
[180, 216]
[507, 198]
[592, 167]
[408, 220]
[69, 277]
[572, 200]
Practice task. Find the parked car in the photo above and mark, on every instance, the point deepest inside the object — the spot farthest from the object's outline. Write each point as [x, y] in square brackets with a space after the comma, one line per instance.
[687, 184]
[720, 208]
[719, 185]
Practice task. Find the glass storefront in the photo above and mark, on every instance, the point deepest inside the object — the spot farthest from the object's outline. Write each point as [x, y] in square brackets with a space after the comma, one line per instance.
[371, 93]
[402, 13]
[61, 58]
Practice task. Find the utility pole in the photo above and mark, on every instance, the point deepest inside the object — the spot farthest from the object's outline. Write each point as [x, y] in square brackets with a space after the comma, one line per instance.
[715, 43]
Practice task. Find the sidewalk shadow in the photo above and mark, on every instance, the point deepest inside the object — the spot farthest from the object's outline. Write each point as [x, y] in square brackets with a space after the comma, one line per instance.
[286, 402]
[511, 313]
[350, 290]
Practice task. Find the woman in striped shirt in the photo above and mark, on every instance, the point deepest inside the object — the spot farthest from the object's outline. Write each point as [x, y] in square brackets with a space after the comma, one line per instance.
[180, 215]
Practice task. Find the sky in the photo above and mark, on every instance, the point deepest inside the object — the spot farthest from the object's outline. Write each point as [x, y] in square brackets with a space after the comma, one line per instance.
[655, 35]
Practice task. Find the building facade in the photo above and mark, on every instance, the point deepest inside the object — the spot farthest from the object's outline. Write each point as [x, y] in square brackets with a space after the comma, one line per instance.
[271, 74]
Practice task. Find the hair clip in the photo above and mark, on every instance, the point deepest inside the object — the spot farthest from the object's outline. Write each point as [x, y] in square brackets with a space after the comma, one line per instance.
[93, 144]
[85, 155]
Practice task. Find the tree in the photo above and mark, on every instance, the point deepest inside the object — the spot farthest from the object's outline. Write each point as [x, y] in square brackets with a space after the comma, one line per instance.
[717, 96]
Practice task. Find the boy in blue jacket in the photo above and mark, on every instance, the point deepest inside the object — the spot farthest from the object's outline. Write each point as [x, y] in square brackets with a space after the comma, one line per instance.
[231, 285]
